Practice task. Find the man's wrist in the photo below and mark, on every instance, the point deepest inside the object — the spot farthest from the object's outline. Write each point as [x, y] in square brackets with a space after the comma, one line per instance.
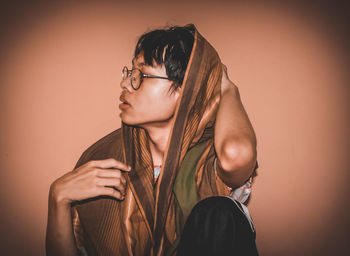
[56, 199]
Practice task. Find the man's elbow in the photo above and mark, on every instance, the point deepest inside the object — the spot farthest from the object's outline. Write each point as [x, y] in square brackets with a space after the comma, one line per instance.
[238, 156]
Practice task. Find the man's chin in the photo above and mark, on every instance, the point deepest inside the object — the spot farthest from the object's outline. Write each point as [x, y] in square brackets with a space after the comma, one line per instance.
[144, 123]
[128, 122]
[123, 119]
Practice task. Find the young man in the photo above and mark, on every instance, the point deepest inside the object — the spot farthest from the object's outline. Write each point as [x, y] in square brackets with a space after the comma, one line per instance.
[185, 136]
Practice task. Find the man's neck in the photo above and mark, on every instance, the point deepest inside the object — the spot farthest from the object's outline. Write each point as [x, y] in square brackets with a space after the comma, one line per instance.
[158, 141]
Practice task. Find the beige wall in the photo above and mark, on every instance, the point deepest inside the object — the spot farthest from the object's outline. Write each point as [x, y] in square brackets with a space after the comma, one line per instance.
[60, 72]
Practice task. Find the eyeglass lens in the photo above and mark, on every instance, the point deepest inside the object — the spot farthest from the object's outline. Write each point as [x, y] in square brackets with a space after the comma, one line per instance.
[135, 78]
[124, 73]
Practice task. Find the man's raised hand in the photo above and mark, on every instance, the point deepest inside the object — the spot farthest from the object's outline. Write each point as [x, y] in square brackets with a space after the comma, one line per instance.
[95, 178]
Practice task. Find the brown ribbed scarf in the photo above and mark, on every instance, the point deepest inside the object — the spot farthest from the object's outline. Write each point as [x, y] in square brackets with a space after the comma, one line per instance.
[145, 222]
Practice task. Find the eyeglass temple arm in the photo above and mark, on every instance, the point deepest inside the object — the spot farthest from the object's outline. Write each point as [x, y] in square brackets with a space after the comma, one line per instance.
[151, 76]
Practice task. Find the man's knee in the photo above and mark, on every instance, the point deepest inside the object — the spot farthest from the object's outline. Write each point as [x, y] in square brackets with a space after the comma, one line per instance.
[217, 225]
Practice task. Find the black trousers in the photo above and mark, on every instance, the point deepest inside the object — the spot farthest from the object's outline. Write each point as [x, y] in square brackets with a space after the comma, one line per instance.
[217, 226]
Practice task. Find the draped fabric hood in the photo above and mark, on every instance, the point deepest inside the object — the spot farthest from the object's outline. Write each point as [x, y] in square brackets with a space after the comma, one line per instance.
[194, 117]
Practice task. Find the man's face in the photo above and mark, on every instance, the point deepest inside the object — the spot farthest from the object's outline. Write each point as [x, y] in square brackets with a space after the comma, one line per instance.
[153, 104]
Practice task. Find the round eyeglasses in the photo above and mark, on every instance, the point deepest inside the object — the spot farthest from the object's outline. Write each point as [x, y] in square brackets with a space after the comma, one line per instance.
[136, 76]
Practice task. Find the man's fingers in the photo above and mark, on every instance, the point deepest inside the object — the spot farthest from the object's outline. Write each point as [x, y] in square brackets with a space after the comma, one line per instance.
[111, 173]
[109, 164]
[224, 67]
[112, 182]
[106, 191]
[224, 70]
[108, 173]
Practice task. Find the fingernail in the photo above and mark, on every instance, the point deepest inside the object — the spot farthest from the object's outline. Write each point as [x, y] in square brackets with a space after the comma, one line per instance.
[129, 168]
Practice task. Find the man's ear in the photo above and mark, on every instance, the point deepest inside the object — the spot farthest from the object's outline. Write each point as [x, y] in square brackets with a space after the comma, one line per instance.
[175, 90]
[178, 89]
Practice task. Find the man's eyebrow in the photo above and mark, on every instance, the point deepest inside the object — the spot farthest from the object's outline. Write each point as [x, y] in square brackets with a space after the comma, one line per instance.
[140, 64]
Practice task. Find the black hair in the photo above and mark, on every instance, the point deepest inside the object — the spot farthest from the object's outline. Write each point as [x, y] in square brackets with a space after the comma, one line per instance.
[170, 47]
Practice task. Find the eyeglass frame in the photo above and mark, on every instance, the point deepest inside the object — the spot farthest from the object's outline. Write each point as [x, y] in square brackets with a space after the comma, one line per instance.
[129, 73]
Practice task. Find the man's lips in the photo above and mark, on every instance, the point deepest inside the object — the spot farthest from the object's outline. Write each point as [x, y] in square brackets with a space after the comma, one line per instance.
[125, 104]
[123, 100]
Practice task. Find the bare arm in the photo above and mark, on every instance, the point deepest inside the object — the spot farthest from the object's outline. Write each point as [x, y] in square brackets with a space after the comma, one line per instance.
[59, 232]
[95, 178]
[234, 138]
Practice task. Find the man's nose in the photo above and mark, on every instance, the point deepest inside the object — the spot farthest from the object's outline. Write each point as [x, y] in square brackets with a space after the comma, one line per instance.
[125, 84]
